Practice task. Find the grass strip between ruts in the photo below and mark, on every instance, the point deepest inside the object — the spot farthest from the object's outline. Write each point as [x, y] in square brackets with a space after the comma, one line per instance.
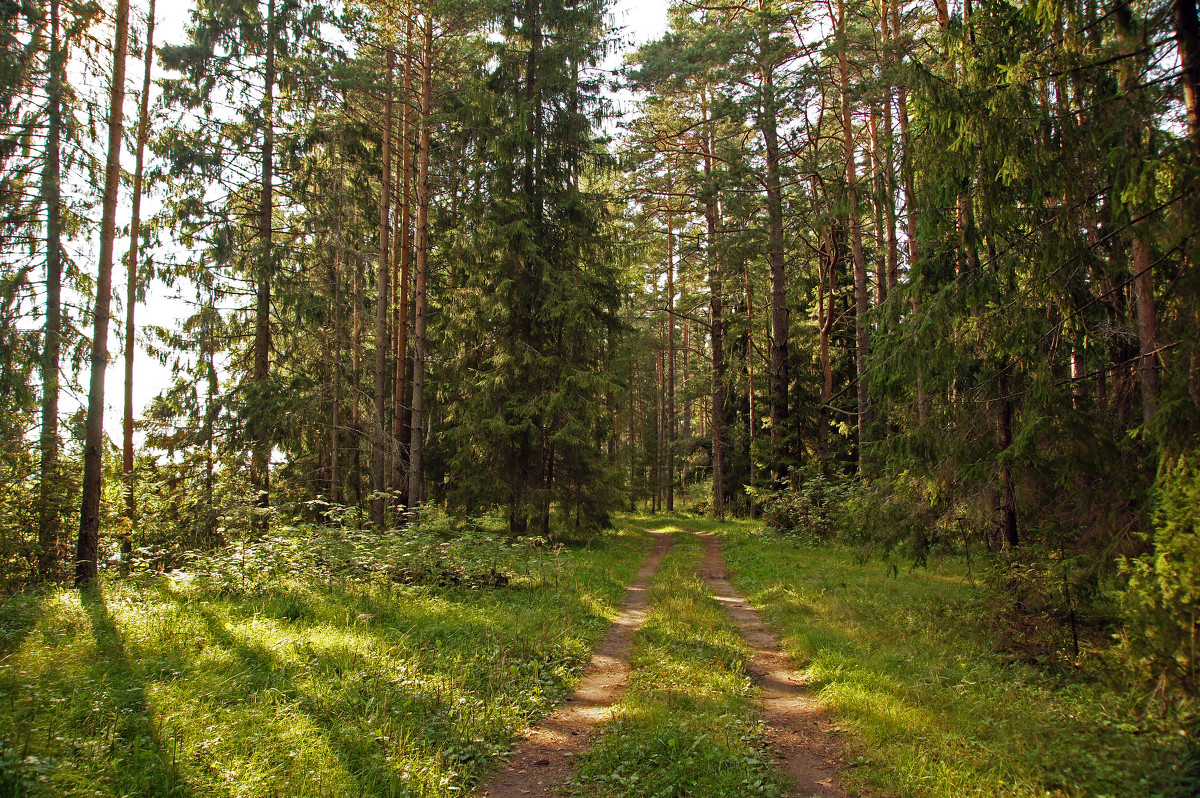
[688, 725]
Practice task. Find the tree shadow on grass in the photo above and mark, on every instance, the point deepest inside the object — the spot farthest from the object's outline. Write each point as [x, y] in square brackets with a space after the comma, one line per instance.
[140, 763]
[19, 615]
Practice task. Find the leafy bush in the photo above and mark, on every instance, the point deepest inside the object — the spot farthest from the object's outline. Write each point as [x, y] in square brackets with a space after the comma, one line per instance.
[1046, 606]
[1162, 598]
[813, 508]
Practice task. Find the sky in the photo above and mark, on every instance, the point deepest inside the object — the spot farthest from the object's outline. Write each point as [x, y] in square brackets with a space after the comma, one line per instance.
[641, 21]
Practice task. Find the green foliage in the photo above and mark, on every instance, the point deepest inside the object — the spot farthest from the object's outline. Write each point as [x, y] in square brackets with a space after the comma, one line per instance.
[1162, 598]
[816, 509]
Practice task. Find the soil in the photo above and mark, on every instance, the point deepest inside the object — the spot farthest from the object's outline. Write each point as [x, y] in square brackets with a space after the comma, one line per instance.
[796, 728]
[544, 761]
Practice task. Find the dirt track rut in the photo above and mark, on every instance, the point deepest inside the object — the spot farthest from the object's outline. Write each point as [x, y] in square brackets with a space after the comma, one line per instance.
[545, 759]
[796, 729]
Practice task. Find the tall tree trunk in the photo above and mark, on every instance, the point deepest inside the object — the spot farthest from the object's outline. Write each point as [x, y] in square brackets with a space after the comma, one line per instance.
[416, 473]
[659, 430]
[402, 279]
[750, 387]
[210, 417]
[910, 212]
[889, 155]
[87, 549]
[1187, 39]
[716, 323]
[135, 231]
[356, 371]
[1008, 498]
[775, 255]
[50, 489]
[1147, 324]
[861, 307]
[1143, 273]
[877, 201]
[827, 259]
[335, 279]
[670, 435]
[379, 450]
[260, 461]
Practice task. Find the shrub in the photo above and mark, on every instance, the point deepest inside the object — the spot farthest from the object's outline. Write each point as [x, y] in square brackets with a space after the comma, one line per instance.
[1161, 601]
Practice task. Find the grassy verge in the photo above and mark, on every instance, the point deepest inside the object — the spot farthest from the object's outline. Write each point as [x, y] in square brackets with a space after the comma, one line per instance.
[930, 709]
[687, 725]
[319, 663]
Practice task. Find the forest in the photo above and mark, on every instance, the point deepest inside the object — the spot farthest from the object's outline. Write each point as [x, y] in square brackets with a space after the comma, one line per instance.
[467, 307]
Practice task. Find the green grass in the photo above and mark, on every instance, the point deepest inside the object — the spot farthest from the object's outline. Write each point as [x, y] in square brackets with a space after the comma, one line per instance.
[928, 707]
[687, 726]
[301, 669]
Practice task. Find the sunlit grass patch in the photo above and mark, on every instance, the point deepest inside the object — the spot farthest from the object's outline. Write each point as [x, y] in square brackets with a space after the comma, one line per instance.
[259, 678]
[687, 725]
[930, 708]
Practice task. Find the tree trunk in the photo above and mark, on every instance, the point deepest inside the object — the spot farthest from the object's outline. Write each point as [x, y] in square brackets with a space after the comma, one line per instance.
[889, 157]
[356, 371]
[50, 489]
[405, 247]
[1187, 38]
[827, 259]
[775, 256]
[910, 214]
[670, 432]
[1008, 499]
[87, 549]
[260, 463]
[862, 332]
[379, 449]
[335, 480]
[417, 442]
[135, 228]
[751, 421]
[877, 201]
[1147, 325]
[716, 325]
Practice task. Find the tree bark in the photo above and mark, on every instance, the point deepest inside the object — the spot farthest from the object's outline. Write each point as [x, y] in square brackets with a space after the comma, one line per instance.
[335, 476]
[135, 229]
[861, 305]
[356, 371]
[260, 462]
[716, 324]
[379, 449]
[417, 443]
[87, 548]
[405, 247]
[1187, 38]
[1008, 499]
[775, 256]
[1147, 325]
[670, 432]
[910, 214]
[49, 516]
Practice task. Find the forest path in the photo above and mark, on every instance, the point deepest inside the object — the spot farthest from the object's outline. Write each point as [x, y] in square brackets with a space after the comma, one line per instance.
[545, 760]
[796, 728]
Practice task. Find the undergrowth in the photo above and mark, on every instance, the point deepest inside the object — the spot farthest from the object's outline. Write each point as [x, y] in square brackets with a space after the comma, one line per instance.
[687, 725]
[319, 662]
